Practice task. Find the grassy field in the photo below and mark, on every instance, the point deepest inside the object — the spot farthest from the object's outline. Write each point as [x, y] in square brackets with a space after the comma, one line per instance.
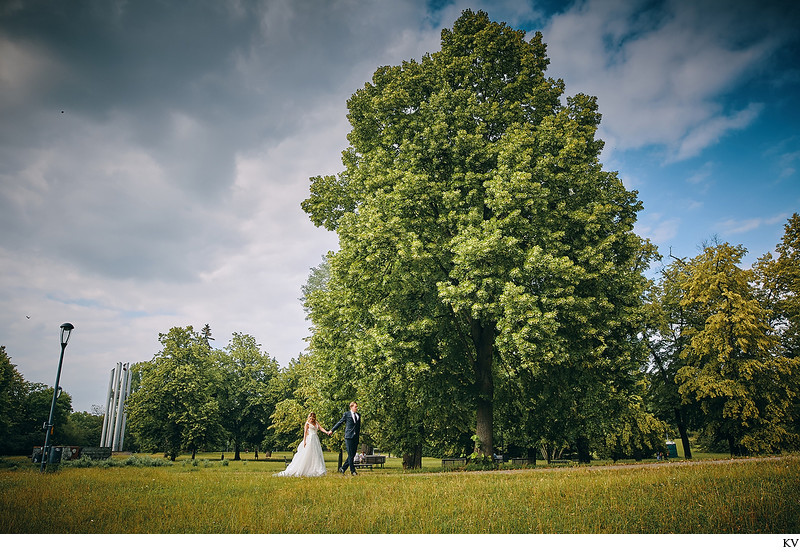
[755, 496]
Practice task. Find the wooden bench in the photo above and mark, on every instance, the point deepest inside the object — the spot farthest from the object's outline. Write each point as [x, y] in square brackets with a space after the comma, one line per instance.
[452, 462]
[370, 461]
[559, 461]
[523, 461]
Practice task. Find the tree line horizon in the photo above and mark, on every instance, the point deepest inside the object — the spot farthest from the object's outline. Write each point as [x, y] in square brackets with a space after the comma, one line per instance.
[489, 292]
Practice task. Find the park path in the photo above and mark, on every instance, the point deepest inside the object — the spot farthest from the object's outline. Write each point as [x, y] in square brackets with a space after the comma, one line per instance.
[649, 465]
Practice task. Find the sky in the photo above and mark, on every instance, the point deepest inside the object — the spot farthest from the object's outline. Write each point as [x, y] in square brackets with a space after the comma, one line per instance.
[154, 154]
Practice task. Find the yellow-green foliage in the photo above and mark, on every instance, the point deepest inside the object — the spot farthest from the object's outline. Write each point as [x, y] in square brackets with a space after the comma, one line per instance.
[243, 497]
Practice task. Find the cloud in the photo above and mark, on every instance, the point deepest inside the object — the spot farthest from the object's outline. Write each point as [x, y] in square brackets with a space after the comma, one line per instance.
[786, 160]
[659, 70]
[703, 174]
[168, 191]
[658, 229]
[711, 130]
[730, 227]
[23, 71]
[108, 206]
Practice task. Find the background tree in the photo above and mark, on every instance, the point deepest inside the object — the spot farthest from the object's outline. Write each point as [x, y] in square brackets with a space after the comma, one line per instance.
[778, 280]
[779, 286]
[84, 429]
[297, 389]
[479, 239]
[13, 390]
[35, 413]
[175, 407]
[733, 367]
[25, 408]
[205, 333]
[636, 434]
[247, 396]
[668, 322]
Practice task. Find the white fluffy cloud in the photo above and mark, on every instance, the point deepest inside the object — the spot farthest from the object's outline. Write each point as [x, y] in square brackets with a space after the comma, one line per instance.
[659, 70]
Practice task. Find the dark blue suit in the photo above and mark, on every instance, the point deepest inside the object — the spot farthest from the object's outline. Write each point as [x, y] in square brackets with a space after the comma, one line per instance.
[352, 431]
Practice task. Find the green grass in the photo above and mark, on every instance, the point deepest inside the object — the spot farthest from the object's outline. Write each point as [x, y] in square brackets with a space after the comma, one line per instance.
[758, 497]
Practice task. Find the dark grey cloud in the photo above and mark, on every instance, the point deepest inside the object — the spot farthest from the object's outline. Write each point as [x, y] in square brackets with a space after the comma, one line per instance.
[153, 157]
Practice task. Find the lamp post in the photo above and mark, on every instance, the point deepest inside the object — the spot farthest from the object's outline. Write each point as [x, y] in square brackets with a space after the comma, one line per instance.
[66, 330]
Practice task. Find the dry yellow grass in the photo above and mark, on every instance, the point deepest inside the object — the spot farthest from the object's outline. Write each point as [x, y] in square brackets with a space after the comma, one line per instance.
[756, 497]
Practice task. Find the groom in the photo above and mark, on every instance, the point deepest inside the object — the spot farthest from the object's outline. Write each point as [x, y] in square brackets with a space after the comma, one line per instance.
[352, 430]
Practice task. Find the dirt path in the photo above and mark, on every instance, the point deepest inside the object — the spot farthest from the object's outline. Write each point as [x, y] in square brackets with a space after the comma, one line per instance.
[649, 465]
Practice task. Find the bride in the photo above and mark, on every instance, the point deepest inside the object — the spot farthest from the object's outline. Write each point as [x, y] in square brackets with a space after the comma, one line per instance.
[308, 461]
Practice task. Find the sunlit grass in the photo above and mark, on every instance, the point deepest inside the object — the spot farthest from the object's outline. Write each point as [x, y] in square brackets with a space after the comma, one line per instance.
[243, 497]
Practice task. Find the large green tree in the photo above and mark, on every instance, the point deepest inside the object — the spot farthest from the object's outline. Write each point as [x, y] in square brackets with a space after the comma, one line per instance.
[175, 407]
[480, 239]
[734, 368]
[247, 394]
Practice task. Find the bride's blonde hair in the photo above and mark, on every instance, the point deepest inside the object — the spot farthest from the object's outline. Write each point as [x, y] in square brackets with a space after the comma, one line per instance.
[313, 417]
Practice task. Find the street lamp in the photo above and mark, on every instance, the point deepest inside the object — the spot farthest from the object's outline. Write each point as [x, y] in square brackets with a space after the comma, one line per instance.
[66, 330]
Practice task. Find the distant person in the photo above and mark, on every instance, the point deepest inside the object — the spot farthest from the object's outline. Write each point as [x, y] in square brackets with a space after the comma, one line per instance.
[352, 431]
[308, 461]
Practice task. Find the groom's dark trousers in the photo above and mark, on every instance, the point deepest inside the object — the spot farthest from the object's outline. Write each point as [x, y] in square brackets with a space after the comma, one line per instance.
[351, 445]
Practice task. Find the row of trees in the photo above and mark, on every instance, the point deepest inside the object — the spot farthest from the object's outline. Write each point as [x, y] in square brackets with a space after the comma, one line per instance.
[190, 397]
[722, 345]
[718, 356]
[25, 407]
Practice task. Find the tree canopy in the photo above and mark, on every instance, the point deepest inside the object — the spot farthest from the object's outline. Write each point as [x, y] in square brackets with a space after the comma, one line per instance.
[174, 407]
[721, 348]
[481, 244]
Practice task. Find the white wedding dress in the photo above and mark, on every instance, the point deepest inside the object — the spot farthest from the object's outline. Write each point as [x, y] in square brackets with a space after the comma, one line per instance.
[308, 461]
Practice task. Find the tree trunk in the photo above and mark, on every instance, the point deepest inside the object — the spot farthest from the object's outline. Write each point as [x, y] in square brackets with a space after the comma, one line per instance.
[413, 460]
[584, 454]
[546, 453]
[236, 449]
[687, 447]
[483, 337]
[736, 448]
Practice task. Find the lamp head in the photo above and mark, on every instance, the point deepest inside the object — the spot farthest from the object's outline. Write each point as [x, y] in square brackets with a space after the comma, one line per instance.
[66, 330]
